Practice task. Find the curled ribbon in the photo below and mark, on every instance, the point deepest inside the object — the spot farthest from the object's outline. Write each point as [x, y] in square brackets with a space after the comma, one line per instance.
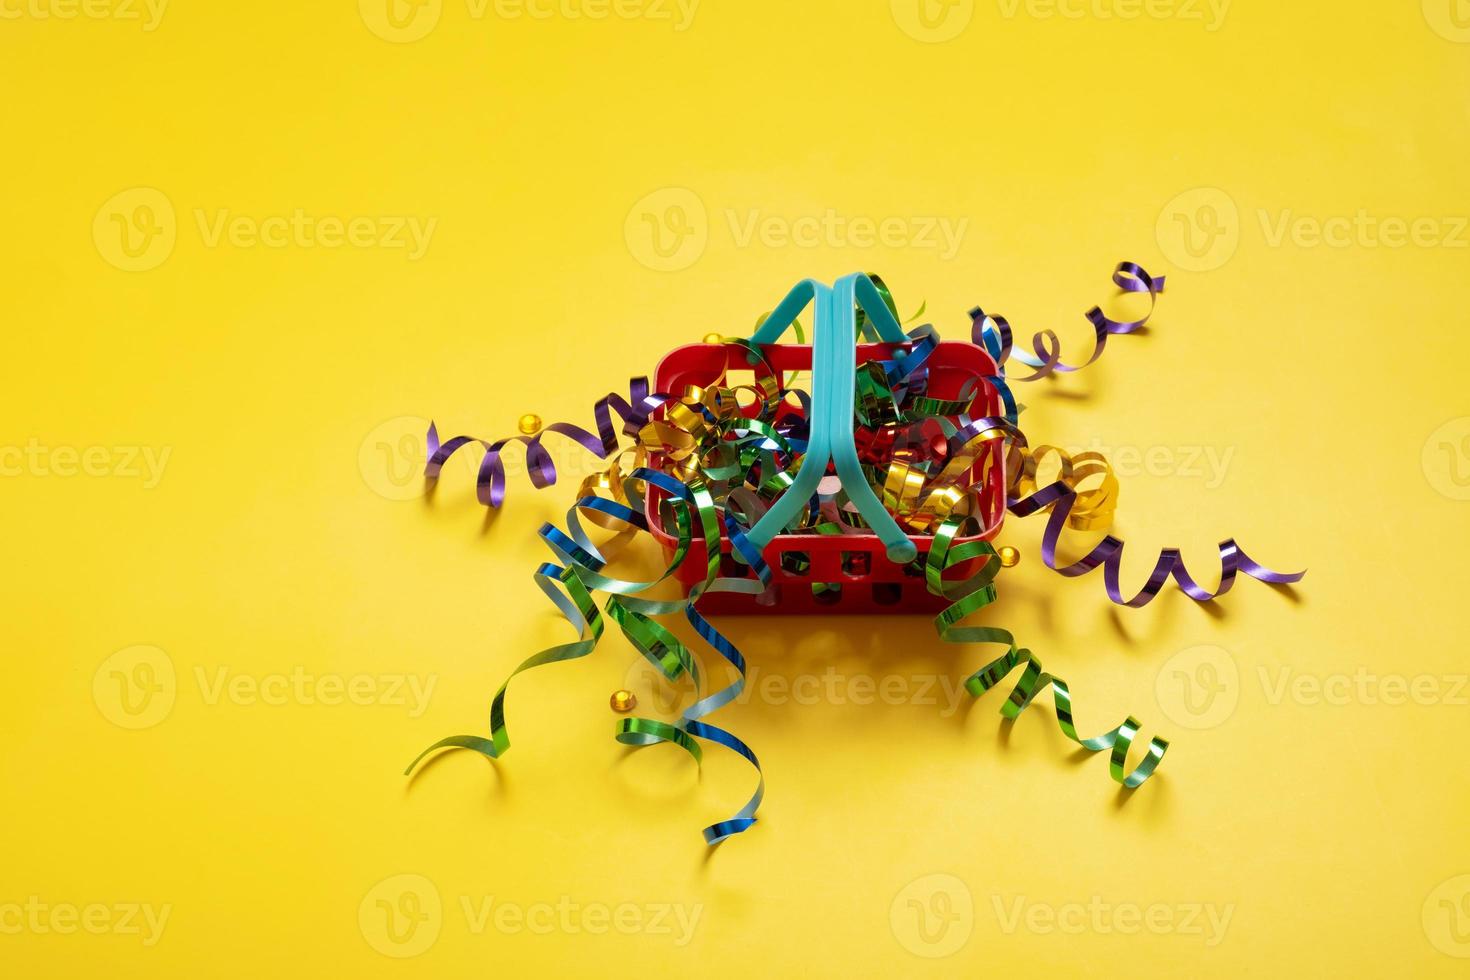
[994, 332]
[707, 464]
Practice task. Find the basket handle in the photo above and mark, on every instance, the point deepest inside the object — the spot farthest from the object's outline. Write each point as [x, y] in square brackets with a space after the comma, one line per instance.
[814, 464]
[784, 315]
[837, 379]
[867, 295]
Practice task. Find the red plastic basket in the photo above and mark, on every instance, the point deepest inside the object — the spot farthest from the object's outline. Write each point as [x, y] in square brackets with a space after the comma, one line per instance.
[852, 571]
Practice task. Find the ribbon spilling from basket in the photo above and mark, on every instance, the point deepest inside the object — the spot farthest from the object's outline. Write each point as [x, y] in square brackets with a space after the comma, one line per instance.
[926, 457]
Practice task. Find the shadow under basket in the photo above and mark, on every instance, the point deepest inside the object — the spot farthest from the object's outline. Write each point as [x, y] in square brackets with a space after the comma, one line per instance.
[829, 573]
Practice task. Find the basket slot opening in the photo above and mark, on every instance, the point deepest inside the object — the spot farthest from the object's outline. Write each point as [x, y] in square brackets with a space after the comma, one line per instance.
[887, 593]
[826, 593]
[796, 563]
[857, 564]
[730, 568]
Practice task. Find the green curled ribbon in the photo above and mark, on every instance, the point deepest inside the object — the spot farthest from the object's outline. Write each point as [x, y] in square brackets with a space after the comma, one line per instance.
[978, 591]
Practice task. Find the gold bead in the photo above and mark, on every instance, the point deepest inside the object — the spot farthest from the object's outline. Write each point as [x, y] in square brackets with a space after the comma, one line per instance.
[1009, 557]
[529, 424]
[713, 338]
[623, 701]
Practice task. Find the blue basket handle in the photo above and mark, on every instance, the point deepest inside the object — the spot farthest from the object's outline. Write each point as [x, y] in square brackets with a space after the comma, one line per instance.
[836, 379]
[784, 315]
[814, 467]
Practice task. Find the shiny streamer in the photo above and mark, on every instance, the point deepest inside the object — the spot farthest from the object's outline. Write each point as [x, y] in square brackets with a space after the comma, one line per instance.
[995, 335]
[718, 457]
[976, 593]
[490, 481]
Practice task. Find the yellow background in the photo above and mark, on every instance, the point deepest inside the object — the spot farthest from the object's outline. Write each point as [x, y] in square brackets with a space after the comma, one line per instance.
[287, 385]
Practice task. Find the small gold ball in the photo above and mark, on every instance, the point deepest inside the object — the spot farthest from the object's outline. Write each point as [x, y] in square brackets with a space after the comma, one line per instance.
[1009, 557]
[713, 338]
[623, 701]
[529, 424]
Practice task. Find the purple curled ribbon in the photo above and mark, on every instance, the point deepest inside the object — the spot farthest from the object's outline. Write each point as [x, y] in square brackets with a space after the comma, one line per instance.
[995, 335]
[1108, 553]
[490, 481]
